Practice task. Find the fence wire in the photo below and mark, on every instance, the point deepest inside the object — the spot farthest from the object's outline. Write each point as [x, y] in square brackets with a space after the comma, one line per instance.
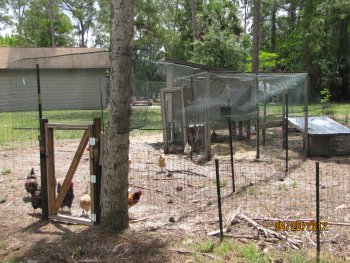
[172, 105]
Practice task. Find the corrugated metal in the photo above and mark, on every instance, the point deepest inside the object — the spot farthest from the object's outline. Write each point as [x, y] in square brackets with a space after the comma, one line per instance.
[320, 125]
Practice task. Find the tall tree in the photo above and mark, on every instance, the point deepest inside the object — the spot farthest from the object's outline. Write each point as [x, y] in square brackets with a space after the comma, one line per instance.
[256, 36]
[52, 22]
[114, 214]
[194, 20]
[36, 26]
[37, 23]
[19, 6]
[84, 12]
[102, 26]
[5, 18]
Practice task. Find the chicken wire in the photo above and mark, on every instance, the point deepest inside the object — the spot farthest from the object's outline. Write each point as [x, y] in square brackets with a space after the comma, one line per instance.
[198, 97]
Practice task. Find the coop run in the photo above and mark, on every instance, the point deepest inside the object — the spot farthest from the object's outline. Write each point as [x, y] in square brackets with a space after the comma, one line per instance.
[200, 107]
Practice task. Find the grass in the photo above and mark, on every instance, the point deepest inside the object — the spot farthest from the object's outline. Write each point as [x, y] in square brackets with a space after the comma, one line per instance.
[22, 127]
[6, 172]
[19, 127]
[229, 250]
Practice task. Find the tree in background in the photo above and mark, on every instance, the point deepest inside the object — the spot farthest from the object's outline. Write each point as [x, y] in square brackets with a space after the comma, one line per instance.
[36, 26]
[256, 36]
[221, 40]
[102, 25]
[19, 6]
[84, 12]
[5, 18]
[114, 196]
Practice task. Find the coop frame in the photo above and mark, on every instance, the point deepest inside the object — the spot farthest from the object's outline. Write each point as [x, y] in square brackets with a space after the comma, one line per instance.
[261, 121]
[51, 203]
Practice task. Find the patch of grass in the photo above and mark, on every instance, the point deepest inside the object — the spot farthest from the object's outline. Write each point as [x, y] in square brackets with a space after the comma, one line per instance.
[252, 190]
[14, 260]
[23, 126]
[283, 187]
[6, 172]
[205, 247]
[294, 184]
[78, 250]
[209, 203]
[251, 253]
[39, 249]
[2, 200]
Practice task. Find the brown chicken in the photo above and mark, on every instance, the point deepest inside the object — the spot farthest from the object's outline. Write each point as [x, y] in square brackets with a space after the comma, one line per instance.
[85, 203]
[36, 199]
[134, 198]
[31, 183]
[161, 162]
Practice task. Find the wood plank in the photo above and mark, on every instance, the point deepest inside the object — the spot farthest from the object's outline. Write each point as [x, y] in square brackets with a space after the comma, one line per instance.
[50, 162]
[43, 170]
[97, 192]
[71, 171]
[92, 168]
[67, 126]
[71, 220]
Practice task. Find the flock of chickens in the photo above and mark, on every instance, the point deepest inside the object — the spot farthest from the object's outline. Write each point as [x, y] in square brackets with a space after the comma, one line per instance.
[32, 187]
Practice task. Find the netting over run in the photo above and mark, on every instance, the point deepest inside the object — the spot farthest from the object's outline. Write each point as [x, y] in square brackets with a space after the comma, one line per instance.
[199, 102]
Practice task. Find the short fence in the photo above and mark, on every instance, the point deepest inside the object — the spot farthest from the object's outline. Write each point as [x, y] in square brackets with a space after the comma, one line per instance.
[278, 186]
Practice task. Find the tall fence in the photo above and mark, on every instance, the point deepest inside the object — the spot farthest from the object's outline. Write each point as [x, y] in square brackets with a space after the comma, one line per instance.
[174, 105]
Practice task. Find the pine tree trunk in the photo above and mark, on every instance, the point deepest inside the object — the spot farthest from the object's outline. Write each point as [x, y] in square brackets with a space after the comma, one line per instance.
[52, 22]
[194, 20]
[114, 192]
[256, 36]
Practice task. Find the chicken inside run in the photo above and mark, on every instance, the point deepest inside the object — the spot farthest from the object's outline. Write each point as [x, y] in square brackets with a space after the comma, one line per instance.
[175, 191]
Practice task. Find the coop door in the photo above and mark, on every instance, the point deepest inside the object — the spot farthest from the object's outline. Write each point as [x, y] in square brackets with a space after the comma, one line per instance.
[174, 118]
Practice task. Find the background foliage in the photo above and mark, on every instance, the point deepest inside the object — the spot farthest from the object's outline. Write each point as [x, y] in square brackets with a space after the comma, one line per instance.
[296, 35]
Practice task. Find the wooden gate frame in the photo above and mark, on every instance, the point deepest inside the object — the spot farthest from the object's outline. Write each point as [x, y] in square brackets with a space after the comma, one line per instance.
[92, 134]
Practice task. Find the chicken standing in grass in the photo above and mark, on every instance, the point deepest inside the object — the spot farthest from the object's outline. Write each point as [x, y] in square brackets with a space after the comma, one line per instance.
[31, 183]
[85, 203]
[161, 162]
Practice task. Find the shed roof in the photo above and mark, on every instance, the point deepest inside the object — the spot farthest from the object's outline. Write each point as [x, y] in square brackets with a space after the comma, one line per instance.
[59, 57]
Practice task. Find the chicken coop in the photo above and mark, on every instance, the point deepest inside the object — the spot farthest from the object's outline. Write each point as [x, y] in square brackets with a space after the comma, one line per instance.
[196, 106]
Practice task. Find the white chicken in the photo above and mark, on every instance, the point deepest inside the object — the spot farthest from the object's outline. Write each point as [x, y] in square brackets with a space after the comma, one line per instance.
[188, 149]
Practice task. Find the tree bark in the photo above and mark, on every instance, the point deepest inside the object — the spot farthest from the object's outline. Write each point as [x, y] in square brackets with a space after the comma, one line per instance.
[194, 20]
[52, 22]
[273, 27]
[114, 192]
[256, 36]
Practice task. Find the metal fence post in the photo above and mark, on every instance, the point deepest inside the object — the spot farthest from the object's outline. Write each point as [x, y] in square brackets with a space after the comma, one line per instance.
[318, 248]
[219, 197]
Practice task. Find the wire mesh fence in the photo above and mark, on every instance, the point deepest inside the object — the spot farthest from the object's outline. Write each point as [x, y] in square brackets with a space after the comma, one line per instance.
[173, 105]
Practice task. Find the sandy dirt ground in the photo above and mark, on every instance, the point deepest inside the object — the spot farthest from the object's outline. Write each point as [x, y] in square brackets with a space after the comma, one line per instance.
[178, 202]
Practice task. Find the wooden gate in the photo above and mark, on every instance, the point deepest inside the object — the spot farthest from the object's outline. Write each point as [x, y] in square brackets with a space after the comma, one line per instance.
[91, 135]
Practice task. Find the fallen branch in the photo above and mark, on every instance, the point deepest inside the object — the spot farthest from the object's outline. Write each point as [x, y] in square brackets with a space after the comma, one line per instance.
[7, 205]
[146, 188]
[12, 248]
[186, 252]
[292, 242]
[139, 220]
[186, 172]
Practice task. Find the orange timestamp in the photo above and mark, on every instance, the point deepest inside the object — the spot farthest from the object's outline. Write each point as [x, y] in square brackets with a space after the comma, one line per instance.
[301, 226]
